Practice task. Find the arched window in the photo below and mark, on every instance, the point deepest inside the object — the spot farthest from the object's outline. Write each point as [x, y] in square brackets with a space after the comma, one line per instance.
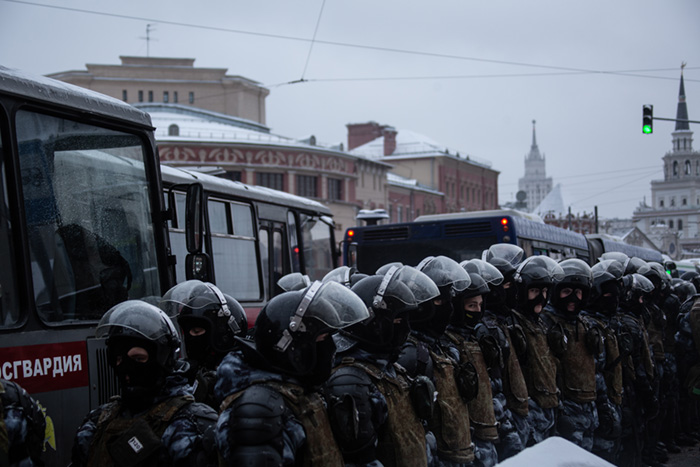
[680, 224]
[173, 130]
[675, 168]
[687, 167]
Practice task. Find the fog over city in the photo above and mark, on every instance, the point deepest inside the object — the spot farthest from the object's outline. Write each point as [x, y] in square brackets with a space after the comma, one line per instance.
[470, 75]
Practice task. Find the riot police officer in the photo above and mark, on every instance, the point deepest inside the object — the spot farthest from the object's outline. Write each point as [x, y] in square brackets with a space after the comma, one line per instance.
[602, 305]
[22, 427]
[423, 354]
[534, 281]
[500, 323]
[271, 410]
[580, 345]
[461, 341]
[209, 320]
[388, 403]
[638, 401]
[155, 421]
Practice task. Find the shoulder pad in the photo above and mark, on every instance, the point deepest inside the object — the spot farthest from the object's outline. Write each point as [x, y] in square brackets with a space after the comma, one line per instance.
[256, 416]
[349, 376]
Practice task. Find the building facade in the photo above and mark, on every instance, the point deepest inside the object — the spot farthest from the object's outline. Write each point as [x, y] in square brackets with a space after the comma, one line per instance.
[535, 184]
[173, 81]
[449, 182]
[675, 200]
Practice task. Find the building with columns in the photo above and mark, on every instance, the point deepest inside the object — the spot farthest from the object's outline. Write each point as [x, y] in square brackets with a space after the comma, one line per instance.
[535, 184]
[674, 212]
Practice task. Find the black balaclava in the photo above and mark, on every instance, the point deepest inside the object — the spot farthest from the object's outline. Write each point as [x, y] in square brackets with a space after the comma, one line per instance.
[145, 380]
[562, 303]
[471, 319]
[435, 326]
[325, 356]
[527, 306]
[609, 299]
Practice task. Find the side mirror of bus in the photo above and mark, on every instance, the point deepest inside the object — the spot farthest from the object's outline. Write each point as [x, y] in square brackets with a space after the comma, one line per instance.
[194, 218]
[198, 266]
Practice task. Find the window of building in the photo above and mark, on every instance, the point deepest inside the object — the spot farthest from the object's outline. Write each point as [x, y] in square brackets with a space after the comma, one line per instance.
[175, 97]
[675, 168]
[684, 202]
[270, 180]
[140, 96]
[307, 185]
[166, 96]
[235, 175]
[173, 130]
[335, 189]
[687, 167]
[191, 97]
[680, 224]
[661, 203]
[673, 201]
[150, 96]
[124, 95]
[670, 223]
[399, 214]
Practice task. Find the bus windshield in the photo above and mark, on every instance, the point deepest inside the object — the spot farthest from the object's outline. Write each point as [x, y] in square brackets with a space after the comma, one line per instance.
[89, 221]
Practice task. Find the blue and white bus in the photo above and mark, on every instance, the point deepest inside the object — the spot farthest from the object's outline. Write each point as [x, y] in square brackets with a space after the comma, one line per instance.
[466, 235]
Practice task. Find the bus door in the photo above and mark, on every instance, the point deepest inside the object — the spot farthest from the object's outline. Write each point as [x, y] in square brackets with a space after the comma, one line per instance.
[274, 255]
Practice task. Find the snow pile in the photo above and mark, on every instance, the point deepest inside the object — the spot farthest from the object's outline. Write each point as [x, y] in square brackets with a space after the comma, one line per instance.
[555, 452]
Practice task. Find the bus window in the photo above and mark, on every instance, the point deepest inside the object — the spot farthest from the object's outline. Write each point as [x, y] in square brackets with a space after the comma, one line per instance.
[233, 249]
[88, 217]
[293, 241]
[9, 308]
[177, 233]
[265, 256]
[278, 256]
[317, 239]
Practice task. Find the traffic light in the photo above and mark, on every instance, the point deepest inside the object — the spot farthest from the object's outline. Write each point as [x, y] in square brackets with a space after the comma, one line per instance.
[647, 119]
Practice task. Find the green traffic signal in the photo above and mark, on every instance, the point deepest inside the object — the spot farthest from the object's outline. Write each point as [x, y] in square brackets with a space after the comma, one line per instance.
[647, 119]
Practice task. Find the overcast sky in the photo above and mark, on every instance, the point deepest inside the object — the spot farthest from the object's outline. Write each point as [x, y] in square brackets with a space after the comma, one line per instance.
[471, 75]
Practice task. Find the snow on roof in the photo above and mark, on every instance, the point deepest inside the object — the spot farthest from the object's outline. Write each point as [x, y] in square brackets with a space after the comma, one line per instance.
[410, 144]
[553, 203]
[398, 180]
[555, 452]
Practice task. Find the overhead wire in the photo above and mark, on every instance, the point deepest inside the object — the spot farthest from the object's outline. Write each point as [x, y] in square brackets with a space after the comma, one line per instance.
[311, 46]
[569, 70]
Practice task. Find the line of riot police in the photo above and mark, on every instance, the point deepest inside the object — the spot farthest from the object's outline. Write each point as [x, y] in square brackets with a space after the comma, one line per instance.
[441, 364]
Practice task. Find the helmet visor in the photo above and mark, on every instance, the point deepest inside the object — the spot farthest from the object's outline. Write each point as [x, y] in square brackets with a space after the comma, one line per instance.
[422, 286]
[333, 304]
[641, 283]
[182, 295]
[341, 275]
[444, 271]
[294, 281]
[487, 271]
[540, 269]
[506, 252]
[138, 317]
[608, 266]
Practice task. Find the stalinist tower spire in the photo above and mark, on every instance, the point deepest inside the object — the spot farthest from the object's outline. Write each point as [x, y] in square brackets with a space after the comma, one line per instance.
[682, 136]
[535, 184]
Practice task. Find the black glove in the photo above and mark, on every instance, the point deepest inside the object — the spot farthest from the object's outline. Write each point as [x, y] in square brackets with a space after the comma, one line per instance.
[492, 351]
[594, 341]
[625, 344]
[467, 380]
[610, 421]
[423, 396]
[557, 340]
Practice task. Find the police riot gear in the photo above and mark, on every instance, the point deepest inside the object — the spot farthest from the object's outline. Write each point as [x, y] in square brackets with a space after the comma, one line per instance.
[577, 276]
[293, 281]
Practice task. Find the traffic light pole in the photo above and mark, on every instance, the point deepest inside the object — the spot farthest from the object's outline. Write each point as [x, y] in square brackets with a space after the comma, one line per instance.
[675, 119]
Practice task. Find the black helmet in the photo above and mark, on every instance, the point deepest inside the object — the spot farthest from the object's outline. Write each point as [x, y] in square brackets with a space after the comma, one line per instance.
[345, 275]
[659, 277]
[635, 286]
[636, 265]
[486, 270]
[137, 325]
[389, 299]
[288, 326]
[138, 320]
[577, 275]
[445, 273]
[293, 281]
[536, 272]
[693, 277]
[618, 256]
[684, 290]
[505, 256]
[461, 317]
[384, 269]
[607, 286]
[201, 304]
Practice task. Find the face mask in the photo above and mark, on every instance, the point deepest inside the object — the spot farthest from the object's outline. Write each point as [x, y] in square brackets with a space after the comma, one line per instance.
[140, 382]
[325, 357]
[197, 347]
[496, 298]
[530, 305]
[564, 302]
